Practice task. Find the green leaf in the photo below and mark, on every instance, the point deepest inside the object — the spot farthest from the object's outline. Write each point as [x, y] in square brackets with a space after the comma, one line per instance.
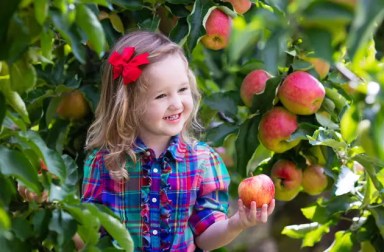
[246, 143]
[378, 214]
[64, 226]
[243, 37]
[265, 101]
[343, 242]
[14, 99]
[130, 5]
[22, 228]
[150, 24]
[325, 120]
[369, 13]
[7, 9]
[18, 38]
[320, 41]
[104, 3]
[349, 124]
[195, 21]
[372, 167]
[180, 32]
[113, 226]
[316, 213]
[23, 76]
[3, 107]
[89, 226]
[326, 14]
[46, 43]
[216, 135]
[329, 138]
[13, 122]
[90, 25]
[5, 221]
[40, 221]
[72, 175]
[41, 10]
[378, 133]
[223, 102]
[14, 163]
[315, 235]
[272, 52]
[52, 159]
[70, 33]
[8, 190]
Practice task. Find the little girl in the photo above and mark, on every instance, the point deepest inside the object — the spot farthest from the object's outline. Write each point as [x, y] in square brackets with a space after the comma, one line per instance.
[169, 190]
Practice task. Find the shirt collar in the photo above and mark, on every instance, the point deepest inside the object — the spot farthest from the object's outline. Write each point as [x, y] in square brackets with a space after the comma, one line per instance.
[176, 149]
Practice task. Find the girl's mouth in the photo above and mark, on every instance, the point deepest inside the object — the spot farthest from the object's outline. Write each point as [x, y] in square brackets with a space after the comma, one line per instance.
[172, 117]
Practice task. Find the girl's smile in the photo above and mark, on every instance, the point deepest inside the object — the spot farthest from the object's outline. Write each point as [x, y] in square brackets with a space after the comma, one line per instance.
[173, 118]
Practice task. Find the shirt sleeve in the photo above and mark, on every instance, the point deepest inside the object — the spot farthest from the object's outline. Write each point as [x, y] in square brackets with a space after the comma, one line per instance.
[212, 199]
[92, 186]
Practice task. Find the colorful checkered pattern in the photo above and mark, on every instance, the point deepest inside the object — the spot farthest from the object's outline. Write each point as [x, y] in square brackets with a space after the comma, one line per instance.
[189, 183]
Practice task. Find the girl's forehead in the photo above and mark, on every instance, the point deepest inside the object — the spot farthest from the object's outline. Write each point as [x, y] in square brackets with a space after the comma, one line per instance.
[169, 69]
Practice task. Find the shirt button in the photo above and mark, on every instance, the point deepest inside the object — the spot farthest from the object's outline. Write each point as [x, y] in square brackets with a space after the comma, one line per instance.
[154, 232]
[154, 200]
[155, 170]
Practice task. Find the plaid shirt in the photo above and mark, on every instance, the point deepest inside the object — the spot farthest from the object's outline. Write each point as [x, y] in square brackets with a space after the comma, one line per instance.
[167, 201]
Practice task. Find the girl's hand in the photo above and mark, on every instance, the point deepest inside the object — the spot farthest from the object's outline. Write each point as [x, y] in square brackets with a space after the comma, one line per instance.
[249, 217]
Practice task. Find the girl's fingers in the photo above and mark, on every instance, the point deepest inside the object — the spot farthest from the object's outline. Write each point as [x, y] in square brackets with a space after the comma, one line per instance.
[271, 207]
[253, 212]
[264, 213]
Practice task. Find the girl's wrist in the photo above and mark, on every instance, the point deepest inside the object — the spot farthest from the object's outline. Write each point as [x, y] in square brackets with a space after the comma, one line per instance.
[234, 224]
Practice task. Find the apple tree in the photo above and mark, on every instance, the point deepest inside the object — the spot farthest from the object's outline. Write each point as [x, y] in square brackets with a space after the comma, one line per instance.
[50, 56]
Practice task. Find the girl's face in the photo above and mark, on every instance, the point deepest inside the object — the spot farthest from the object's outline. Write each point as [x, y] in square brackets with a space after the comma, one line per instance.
[168, 101]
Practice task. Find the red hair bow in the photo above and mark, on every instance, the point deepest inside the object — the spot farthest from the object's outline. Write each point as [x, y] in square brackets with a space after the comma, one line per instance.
[126, 65]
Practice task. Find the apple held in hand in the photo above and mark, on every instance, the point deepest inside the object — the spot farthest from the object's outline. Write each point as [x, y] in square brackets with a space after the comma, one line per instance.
[301, 93]
[276, 127]
[314, 180]
[253, 83]
[218, 30]
[287, 178]
[259, 188]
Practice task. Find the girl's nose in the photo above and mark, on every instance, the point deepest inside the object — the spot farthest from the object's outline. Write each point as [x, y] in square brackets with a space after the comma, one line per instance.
[176, 103]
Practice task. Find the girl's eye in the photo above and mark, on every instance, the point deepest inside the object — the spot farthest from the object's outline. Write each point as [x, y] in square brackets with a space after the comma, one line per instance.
[183, 89]
[160, 96]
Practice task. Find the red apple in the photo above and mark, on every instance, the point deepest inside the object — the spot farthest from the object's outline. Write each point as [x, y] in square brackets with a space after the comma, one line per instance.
[276, 127]
[253, 83]
[240, 6]
[314, 180]
[218, 30]
[301, 93]
[287, 178]
[259, 188]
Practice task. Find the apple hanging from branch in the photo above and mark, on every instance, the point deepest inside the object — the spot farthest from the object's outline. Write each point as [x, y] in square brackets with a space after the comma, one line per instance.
[276, 127]
[287, 178]
[301, 93]
[218, 30]
[253, 83]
